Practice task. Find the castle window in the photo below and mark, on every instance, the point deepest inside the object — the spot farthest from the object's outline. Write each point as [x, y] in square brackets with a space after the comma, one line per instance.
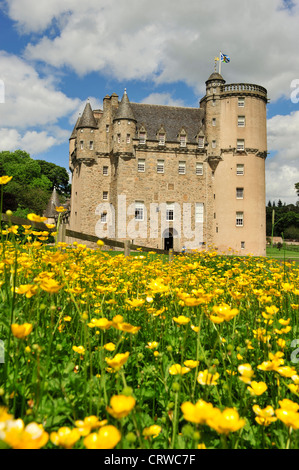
[242, 245]
[201, 142]
[240, 144]
[105, 170]
[81, 144]
[139, 210]
[107, 127]
[161, 139]
[199, 168]
[128, 138]
[241, 102]
[241, 121]
[239, 219]
[213, 144]
[104, 217]
[199, 207]
[118, 138]
[183, 140]
[160, 166]
[240, 169]
[141, 165]
[239, 193]
[169, 211]
[182, 168]
[142, 137]
[91, 145]
[105, 195]
[214, 122]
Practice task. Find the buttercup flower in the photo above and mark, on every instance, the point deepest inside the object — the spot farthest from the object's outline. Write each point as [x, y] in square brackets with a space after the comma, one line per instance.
[257, 388]
[65, 437]
[118, 361]
[198, 413]
[121, 405]
[5, 179]
[265, 416]
[106, 438]
[206, 378]
[90, 422]
[19, 436]
[181, 320]
[177, 369]
[152, 431]
[226, 421]
[21, 331]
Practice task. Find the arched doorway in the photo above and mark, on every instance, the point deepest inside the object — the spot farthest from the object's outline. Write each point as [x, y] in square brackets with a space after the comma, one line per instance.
[168, 236]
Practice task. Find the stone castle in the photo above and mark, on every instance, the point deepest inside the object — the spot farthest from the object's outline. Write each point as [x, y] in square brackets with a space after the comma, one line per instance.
[174, 177]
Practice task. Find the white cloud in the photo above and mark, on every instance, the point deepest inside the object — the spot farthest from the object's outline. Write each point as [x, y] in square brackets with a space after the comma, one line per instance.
[166, 41]
[162, 99]
[282, 169]
[29, 99]
[32, 142]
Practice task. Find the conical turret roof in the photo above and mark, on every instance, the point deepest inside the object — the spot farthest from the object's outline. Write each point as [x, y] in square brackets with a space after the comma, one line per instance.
[124, 110]
[215, 76]
[54, 202]
[87, 119]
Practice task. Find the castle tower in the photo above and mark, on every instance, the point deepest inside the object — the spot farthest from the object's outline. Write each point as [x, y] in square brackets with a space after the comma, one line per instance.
[237, 148]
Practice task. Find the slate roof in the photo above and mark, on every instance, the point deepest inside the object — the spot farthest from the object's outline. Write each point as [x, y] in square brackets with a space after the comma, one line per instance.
[87, 119]
[172, 118]
[124, 110]
[54, 202]
[215, 76]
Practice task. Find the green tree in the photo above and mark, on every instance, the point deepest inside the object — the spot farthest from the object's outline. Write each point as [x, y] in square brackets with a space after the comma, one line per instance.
[32, 183]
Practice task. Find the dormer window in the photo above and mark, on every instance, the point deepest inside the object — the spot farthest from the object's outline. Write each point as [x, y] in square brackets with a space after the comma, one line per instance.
[201, 142]
[161, 139]
[183, 140]
[142, 137]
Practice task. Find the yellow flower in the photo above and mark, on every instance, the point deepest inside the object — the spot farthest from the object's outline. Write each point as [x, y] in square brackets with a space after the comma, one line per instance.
[288, 413]
[201, 446]
[135, 303]
[121, 405]
[5, 179]
[128, 328]
[102, 323]
[90, 422]
[60, 209]
[28, 289]
[152, 345]
[191, 364]
[246, 373]
[21, 331]
[157, 286]
[222, 313]
[177, 369]
[100, 243]
[17, 436]
[79, 349]
[264, 416]
[109, 346]
[198, 413]
[50, 285]
[257, 388]
[191, 301]
[65, 437]
[152, 431]
[206, 378]
[226, 421]
[106, 438]
[118, 361]
[181, 320]
[36, 218]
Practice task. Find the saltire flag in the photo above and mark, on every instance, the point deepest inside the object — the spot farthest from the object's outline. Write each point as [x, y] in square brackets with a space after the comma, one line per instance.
[224, 58]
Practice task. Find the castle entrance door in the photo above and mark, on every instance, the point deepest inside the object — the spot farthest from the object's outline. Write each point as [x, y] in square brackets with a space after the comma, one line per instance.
[168, 239]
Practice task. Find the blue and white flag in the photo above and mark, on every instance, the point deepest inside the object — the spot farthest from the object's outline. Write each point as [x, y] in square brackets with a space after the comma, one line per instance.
[224, 58]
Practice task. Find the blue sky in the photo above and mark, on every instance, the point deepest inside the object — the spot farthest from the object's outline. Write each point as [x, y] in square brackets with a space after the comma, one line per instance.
[56, 54]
